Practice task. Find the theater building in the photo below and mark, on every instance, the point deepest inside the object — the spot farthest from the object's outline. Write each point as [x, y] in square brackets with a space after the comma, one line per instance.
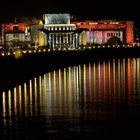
[58, 31]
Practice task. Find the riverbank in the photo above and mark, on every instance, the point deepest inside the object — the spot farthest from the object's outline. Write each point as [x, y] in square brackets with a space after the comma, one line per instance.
[15, 69]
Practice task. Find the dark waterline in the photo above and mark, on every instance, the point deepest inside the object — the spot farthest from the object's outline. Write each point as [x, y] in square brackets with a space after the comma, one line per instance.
[93, 100]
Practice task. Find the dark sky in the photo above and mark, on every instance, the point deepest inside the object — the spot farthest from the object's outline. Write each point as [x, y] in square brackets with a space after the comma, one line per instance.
[82, 9]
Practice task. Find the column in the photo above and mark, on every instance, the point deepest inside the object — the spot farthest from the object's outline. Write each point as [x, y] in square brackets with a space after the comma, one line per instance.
[73, 38]
[70, 40]
[52, 40]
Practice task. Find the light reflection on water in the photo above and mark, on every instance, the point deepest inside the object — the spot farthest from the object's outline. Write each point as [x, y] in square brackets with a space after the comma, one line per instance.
[75, 101]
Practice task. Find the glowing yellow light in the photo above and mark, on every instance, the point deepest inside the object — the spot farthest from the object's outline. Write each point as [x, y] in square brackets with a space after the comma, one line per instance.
[9, 101]
[60, 83]
[9, 105]
[65, 85]
[18, 54]
[41, 39]
[83, 38]
[54, 86]
[30, 51]
[4, 108]
[15, 101]
[31, 108]
[45, 83]
[35, 93]
[2, 54]
[20, 99]
[24, 52]
[25, 98]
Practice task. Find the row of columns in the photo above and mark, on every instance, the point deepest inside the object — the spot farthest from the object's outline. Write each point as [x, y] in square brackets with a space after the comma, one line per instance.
[62, 40]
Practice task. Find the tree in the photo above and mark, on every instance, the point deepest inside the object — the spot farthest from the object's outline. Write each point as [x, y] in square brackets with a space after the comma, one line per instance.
[114, 41]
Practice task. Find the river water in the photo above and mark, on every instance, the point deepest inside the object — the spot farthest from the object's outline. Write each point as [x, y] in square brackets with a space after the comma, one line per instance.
[92, 100]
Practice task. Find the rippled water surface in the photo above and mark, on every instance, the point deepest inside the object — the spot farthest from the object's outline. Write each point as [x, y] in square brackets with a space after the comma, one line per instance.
[99, 99]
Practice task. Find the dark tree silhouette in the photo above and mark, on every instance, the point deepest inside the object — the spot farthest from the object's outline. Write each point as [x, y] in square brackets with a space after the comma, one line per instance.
[114, 41]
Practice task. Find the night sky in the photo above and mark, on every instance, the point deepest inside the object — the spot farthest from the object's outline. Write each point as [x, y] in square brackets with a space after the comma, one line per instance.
[90, 9]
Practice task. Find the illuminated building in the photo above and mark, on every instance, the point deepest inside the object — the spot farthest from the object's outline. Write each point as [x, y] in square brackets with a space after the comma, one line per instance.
[13, 34]
[100, 32]
[38, 38]
[59, 30]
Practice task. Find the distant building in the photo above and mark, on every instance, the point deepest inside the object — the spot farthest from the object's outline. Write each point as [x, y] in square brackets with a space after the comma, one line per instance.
[101, 32]
[15, 34]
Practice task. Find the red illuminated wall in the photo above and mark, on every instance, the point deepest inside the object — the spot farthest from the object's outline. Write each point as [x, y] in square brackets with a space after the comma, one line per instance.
[101, 26]
[129, 32]
[21, 27]
[10, 28]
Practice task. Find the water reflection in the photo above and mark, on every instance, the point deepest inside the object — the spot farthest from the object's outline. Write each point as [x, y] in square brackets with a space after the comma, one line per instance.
[100, 91]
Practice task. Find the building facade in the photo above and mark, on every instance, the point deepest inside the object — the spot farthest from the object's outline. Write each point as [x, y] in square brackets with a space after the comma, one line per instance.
[101, 32]
[16, 33]
[13, 34]
[59, 31]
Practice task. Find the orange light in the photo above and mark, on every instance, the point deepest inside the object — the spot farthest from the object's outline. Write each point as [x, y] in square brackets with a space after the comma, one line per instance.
[21, 26]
